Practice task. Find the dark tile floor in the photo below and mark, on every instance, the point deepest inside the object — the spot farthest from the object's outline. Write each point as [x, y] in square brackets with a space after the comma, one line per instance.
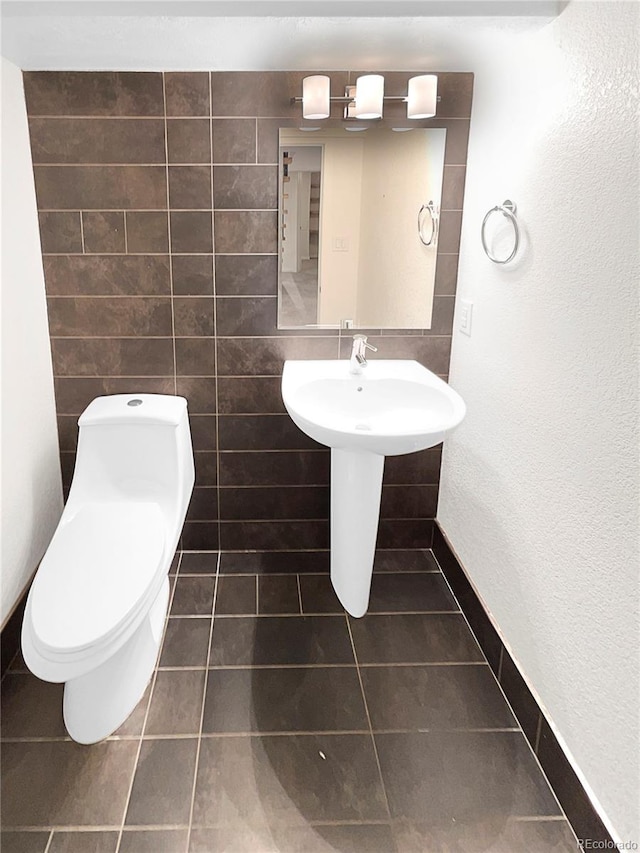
[276, 723]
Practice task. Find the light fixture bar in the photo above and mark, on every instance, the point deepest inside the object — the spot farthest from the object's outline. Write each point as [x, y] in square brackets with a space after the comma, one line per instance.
[344, 99]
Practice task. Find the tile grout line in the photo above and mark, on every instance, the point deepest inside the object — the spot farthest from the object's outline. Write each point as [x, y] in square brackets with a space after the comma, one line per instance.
[52, 164]
[302, 613]
[366, 708]
[204, 699]
[309, 612]
[227, 117]
[215, 332]
[152, 684]
[169, 247]
[81, 231]
[289, 574]
[256, 143]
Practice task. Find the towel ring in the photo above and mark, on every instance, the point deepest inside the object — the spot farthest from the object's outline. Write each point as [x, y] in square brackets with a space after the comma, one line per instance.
[508, 209]
[433, 215]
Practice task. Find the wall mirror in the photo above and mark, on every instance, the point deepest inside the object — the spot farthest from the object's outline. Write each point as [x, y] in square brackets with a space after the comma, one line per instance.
[358, 227]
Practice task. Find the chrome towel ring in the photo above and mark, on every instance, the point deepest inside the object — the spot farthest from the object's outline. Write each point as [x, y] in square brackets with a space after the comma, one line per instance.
[508, 209]
[432, 210]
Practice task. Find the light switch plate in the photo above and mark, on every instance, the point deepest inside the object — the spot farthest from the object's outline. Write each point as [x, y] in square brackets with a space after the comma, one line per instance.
[466, 313]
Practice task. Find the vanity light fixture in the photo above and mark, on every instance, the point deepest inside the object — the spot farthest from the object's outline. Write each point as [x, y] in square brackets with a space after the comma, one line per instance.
[316, 98]
[369, 96]
[365, 100]
[421, 99]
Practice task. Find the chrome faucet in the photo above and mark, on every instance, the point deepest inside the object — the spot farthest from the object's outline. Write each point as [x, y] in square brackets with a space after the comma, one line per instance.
[358, 360]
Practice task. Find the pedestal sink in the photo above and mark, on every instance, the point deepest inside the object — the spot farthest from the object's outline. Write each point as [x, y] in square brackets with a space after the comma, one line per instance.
[391, 407]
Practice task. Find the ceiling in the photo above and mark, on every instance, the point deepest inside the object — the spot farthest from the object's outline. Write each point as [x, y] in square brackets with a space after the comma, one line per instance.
[252, 35]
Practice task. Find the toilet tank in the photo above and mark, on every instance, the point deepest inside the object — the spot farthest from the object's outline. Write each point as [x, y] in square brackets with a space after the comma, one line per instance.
[135, 447]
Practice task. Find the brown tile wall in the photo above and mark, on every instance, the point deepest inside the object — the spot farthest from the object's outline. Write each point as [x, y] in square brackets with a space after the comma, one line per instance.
[157, 196]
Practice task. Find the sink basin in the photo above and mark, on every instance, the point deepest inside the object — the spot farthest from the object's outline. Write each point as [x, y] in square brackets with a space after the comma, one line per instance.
[392, 407]
[389, 408]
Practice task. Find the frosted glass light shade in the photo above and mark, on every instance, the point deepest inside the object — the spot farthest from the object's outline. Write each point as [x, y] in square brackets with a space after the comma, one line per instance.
[369, 96]
[422, 96]
[316, 91]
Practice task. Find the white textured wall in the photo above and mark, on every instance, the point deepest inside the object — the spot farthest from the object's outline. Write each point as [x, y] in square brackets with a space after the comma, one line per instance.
[539, 493]
[31, 484]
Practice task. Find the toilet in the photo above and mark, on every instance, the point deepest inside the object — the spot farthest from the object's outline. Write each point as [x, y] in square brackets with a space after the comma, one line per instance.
[96, 609]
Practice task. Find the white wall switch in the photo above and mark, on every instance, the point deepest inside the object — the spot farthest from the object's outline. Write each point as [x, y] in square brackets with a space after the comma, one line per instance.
[466, 312]
[340, 244]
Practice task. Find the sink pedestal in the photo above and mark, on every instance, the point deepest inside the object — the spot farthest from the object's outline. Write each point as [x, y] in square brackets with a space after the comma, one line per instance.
[356, 486]
[394, 407]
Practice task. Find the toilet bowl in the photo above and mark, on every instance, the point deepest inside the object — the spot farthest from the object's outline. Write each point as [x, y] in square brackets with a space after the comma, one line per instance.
[96, 609]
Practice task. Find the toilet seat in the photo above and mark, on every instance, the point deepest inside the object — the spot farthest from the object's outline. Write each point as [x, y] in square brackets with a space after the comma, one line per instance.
[95, 576]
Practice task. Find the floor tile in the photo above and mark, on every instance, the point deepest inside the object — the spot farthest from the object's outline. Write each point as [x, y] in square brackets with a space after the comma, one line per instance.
[24, 842]
[18, 664]
[161, 793]
[489, 836]
[411, 591]
[278, 594]
[296, 784]
[236, 596]
[317, 838]
[193, 596]
[411, 638]
[287, 780]
[199, 563]
[284, 700]
[435, 697]
[273, 562]
[390, 592]
[462, 777]
[31, 707]
[280, 640]
[84, 842]
[64, 783]
[176, 704]
[398, 560]
[134, 722]
[240, 839]
[347, 839]
[153, 841]
[318, 595]
[186, 642]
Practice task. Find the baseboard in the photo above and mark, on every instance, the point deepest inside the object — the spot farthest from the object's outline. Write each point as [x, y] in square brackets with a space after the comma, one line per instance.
[566, 785]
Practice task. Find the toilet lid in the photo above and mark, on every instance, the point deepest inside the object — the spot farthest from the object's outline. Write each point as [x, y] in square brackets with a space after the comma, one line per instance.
[98, 567]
